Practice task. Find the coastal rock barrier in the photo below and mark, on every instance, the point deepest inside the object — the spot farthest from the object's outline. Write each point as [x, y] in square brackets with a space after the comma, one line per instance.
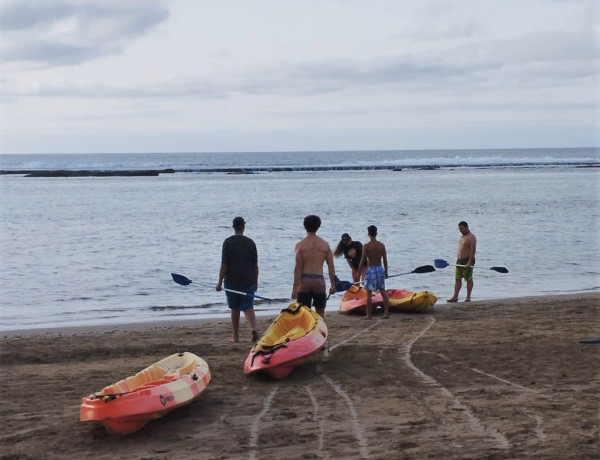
[87, 173]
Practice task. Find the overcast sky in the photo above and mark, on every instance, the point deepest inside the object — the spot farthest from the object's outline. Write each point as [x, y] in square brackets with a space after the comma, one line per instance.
[83, 76]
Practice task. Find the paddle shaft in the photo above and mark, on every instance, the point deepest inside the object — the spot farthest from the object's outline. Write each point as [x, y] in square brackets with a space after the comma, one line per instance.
[496, 269]
[184, 281]
[245, 293]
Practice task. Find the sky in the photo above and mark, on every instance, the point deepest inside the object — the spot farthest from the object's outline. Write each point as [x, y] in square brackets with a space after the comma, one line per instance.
[124, 76]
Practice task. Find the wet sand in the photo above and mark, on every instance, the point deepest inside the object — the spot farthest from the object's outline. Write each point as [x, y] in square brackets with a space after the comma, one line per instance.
[496, 379]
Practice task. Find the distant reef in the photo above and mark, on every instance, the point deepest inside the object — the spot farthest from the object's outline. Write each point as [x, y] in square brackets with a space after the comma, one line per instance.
[87, 173]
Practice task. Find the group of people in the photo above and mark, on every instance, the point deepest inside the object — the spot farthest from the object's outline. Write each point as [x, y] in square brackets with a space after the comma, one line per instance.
[238, 274]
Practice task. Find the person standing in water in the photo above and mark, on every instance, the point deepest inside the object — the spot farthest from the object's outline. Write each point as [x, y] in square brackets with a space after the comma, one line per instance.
[311, 252]
[467, 245]
[239, 271]
[374, 257]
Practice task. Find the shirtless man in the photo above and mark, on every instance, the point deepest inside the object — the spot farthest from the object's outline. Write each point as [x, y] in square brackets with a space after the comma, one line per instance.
[309, 282]
[373, 255]
[467, 244]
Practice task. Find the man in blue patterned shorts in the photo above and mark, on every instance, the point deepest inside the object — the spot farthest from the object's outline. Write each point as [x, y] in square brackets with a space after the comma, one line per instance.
[373, 255]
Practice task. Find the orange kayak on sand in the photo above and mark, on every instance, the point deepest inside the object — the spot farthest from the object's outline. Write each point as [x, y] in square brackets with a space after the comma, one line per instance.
[293, 336]
[126, 406]
[354, 300]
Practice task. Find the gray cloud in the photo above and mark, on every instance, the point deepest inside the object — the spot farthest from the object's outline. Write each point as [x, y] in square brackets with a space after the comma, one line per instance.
[73, 32]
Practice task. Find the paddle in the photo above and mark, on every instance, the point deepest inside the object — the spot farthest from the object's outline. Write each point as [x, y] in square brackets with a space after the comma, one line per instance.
[441, 263]
[184, 281]
[345, 285]
[421, 269]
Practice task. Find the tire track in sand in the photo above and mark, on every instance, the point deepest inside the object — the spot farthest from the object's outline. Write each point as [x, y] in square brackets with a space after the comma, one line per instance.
[254, 428]
[474, 422]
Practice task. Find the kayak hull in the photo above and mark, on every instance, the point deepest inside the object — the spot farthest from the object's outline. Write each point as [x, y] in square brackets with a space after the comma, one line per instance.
[294, 335]
[126, 406]
[354, 300]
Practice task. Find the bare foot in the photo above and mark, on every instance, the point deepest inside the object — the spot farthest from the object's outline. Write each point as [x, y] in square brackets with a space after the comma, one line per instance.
[467, 300]
[367, 317]
[234, 339]
[254, 335]
[386, 316]
[452, 300]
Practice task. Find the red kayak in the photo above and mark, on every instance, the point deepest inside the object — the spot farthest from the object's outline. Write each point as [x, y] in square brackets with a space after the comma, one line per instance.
[296, 333]
[126, 406]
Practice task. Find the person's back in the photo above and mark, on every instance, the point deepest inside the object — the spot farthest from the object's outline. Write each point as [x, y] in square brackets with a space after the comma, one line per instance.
[311, 252]
[240, 255]
[375, 252]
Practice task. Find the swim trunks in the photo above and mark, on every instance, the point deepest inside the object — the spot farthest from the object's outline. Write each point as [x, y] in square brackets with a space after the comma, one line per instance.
[312, 291]
[462, 272]
[375, 278]
[240, 302]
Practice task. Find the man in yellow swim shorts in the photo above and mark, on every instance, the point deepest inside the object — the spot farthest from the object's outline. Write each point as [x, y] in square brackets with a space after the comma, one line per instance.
[467, 245]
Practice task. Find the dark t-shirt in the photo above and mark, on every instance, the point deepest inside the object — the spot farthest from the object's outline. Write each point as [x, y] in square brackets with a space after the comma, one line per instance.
[240, 255]
[357, 246]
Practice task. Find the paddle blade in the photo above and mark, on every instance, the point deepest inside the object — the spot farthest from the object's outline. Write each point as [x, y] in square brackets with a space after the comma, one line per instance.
[440, 263]
[499, 269]
[342, 285]
[180, 279]
[424, 269]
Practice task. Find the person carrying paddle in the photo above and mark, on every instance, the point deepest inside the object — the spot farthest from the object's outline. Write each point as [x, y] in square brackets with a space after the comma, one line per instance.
[467, 244]
[352, 251]
[374, 257]
[309, 282]
[239, 270]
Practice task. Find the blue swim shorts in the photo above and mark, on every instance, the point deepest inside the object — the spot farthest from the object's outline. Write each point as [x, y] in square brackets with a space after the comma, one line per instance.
[375, 278]
[240, 302]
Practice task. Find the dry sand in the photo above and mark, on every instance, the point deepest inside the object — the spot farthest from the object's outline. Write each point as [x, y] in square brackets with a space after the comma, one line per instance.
[491, 379]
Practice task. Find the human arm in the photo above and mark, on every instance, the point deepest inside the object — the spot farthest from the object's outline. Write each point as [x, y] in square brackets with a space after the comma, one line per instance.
[256, 270]
[472, 247]
[385, 263]
[223, 269]
[297, 272]
[331, 269]
[363, 260]
[222, 272]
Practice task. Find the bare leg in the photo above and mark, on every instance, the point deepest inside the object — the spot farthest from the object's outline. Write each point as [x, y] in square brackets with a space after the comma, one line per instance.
[469, 289]
[386, 303]
[235, 324]
[457, 286]
[369, 305]
[251, 319]
[355, 276]
[321, 312]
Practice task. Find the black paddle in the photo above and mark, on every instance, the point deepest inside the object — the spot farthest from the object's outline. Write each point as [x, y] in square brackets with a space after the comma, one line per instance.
[421, 269]
[345, 285]
[184, 281]
[441, 263]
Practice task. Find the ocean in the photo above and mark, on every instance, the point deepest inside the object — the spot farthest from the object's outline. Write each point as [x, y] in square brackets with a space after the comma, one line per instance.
[82, 251]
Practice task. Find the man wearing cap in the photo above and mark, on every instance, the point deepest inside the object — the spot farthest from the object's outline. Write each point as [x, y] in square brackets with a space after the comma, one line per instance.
[239, 272]
[352, 251]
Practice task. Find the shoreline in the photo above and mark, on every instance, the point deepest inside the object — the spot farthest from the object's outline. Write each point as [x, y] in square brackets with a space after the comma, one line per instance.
[224, 318]
[505, 378]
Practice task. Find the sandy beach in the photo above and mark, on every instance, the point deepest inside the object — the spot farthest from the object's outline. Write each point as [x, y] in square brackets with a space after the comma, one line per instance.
[497, 379]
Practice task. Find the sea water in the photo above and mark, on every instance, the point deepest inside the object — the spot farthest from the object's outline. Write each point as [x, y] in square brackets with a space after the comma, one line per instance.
[101, 250]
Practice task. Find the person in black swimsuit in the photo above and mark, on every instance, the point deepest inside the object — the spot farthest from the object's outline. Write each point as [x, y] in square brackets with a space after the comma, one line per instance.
[352, 251]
